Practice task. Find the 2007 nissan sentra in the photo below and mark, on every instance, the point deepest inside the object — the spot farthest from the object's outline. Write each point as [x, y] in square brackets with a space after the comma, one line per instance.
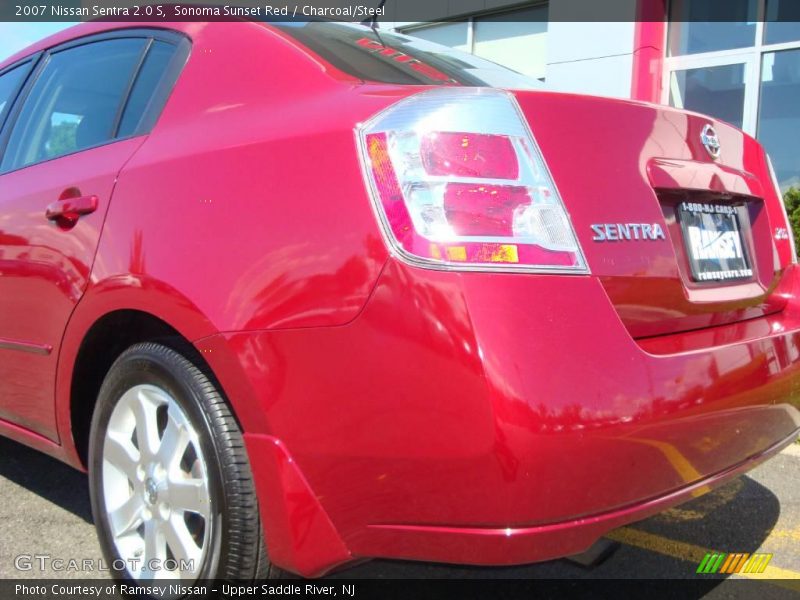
[296, 295]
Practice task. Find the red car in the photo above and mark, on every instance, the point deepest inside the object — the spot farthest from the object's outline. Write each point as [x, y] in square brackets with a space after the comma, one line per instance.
[297, 295]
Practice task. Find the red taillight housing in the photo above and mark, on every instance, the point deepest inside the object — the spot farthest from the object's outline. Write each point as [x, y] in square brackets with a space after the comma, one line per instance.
[469, 155]
[458, 182]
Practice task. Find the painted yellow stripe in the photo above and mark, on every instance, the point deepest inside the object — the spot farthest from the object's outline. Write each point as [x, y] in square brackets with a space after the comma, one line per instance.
[787, 536]
[657, 543]
[694, 554]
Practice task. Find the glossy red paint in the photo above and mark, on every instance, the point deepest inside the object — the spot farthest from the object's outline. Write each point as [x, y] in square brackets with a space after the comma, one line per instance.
[301, 536]
[390, 410]
[455, 379]
[650, 289]
[45, 270]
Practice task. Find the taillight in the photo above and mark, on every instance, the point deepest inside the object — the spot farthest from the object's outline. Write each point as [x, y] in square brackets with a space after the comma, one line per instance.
[458, 182]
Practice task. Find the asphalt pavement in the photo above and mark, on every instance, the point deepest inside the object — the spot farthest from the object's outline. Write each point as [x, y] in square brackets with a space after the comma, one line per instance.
[44, 511]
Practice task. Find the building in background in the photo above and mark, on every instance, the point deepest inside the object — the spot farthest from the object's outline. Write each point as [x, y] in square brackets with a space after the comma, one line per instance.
[744, 70]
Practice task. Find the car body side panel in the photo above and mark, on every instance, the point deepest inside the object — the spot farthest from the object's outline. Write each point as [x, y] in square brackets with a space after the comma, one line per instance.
[45, 270]
[299, 535]
[404, 399]
[454, 400]
[201, 232]
[125, 292]
[248, 196]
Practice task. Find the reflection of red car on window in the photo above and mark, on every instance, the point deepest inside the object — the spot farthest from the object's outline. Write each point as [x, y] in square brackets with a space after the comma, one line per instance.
[324, 307]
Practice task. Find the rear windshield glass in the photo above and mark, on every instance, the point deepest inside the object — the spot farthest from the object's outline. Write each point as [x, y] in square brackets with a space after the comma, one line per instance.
[375, 55]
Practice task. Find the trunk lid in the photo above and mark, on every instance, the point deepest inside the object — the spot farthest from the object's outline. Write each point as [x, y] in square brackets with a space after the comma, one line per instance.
[637, 180]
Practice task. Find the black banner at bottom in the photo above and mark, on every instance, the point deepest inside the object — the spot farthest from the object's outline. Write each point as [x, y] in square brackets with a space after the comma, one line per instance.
[386, 589]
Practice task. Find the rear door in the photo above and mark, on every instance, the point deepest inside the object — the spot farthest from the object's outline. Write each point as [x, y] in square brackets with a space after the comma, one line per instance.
[74, 127]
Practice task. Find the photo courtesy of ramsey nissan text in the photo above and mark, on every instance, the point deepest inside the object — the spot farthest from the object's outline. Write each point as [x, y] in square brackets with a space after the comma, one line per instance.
[400, 298]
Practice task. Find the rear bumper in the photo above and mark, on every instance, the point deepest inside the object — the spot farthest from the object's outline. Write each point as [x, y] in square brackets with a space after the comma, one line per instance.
[494, 419]
[510, 546]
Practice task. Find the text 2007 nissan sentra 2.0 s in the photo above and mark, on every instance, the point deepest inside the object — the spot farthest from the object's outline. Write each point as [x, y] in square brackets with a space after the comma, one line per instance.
[297, 295]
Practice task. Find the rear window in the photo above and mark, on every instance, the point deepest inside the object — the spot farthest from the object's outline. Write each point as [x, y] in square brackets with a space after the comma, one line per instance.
[375, 55]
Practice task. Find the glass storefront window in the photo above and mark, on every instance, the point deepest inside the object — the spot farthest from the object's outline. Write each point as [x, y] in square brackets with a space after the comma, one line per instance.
[782, 23]
[779, 114]
[519, 44]
[516, 39]
[710, 25]
[717, 91]
[455, 35]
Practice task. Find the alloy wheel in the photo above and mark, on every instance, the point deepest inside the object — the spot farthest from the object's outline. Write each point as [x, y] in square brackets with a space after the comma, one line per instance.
[155, 486]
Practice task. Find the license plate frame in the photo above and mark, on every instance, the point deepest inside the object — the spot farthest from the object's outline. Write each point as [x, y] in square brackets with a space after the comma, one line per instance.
[714, 241]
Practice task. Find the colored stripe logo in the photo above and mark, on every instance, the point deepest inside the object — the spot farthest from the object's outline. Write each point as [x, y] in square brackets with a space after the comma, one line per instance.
[719, 562]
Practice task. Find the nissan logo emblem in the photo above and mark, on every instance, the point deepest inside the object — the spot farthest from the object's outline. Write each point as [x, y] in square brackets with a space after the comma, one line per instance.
[710, 140]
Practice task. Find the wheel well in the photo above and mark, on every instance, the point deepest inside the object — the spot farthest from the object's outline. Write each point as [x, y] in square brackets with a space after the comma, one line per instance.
[109, 337]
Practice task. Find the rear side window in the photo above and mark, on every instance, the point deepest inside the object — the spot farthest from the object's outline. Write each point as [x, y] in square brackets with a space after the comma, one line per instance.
[375, 55]
[75, 101]
[148, 90]
[9, 83]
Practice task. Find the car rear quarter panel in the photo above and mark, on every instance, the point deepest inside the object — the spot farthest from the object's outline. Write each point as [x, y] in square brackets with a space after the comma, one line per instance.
[458, 402]
[248, 196]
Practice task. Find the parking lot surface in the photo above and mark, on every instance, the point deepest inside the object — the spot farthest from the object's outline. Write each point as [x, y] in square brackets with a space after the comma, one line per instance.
[44, 511]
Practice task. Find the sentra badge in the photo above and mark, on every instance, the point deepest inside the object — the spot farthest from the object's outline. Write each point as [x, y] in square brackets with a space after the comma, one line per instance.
[620, 232]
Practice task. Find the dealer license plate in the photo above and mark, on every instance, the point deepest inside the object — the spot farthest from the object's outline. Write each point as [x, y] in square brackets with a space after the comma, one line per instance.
[714, 242]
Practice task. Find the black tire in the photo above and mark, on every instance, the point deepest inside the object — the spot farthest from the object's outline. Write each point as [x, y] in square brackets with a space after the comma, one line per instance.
[236, 549]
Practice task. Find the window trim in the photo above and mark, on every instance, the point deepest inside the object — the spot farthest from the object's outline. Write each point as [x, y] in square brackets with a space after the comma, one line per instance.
[126, 96]
[163, 91]
[746, 59]
[751, 56]
[14, 98]
[40, 60]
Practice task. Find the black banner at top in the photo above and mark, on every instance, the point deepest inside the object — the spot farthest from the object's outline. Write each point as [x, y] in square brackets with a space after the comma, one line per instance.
[400, 11]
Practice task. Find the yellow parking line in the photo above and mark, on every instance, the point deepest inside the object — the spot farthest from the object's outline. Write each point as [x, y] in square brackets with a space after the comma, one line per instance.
[789, 535]
[692, 553]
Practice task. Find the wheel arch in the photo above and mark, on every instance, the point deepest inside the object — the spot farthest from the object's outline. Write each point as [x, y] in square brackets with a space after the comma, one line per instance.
[103, 343]
[111, 318]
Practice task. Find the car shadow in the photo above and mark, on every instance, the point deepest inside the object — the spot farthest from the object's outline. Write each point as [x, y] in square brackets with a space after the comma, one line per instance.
[737, 517]
[46, 477]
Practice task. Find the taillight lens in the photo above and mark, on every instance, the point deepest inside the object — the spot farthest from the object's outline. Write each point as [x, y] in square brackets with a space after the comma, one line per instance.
[458, 182]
